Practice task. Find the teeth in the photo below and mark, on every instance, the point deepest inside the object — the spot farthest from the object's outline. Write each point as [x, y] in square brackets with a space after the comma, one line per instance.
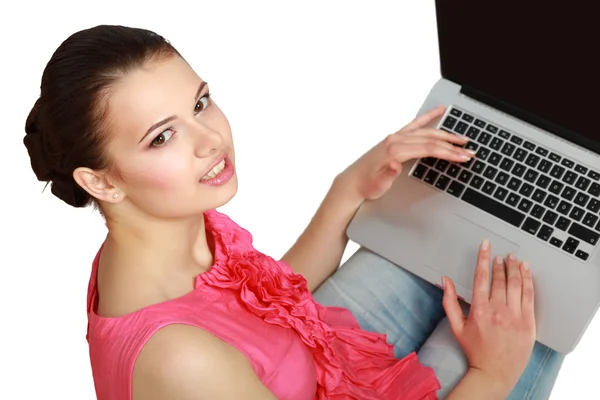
[215, 171]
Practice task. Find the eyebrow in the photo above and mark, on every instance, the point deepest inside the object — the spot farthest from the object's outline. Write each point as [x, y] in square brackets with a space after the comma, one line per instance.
[172, 117]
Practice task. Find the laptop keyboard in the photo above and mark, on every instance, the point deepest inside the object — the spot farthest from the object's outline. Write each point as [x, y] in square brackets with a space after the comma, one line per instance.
[526, 185]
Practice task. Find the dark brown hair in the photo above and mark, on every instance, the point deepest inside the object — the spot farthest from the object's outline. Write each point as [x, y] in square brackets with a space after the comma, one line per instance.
[65, 128]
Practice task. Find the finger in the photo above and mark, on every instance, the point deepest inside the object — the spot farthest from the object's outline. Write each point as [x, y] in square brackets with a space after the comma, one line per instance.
[454, 312]
[481, 280]
[514, 284]
[424, 119]
[527, 296]
[406, 151]
[438, 134]
[498, 291]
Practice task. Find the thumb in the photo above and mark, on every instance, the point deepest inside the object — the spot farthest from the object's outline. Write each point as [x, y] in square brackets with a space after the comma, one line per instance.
[454, 312]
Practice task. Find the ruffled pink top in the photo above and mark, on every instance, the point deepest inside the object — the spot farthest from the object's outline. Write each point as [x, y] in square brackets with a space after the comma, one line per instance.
[298, 348]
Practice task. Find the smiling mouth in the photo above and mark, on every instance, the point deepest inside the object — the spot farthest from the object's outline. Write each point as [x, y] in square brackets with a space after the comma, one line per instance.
[217, 169]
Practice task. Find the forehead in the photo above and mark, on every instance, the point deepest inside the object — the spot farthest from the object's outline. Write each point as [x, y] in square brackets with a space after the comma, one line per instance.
[149, 93]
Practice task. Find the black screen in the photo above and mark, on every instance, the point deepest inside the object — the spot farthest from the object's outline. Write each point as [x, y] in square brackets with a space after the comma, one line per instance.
[538, 60]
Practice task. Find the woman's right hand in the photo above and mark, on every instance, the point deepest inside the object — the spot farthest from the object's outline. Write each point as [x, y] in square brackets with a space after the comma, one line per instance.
[499, 333]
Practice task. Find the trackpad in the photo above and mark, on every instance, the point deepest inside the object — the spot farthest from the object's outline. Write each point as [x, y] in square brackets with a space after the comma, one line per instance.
[455, 253]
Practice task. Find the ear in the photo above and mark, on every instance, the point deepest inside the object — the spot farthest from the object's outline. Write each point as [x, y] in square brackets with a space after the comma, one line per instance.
[97, 185]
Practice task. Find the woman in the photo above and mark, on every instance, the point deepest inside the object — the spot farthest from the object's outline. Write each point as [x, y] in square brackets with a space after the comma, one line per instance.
[181, 306]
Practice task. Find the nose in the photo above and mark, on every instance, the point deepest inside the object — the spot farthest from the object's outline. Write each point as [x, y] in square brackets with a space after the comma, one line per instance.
[207, 140]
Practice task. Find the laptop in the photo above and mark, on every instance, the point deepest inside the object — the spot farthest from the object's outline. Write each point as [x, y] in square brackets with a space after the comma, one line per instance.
[521, 79]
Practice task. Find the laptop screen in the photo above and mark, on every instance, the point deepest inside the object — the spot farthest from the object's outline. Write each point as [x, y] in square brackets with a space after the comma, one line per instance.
[538, 60]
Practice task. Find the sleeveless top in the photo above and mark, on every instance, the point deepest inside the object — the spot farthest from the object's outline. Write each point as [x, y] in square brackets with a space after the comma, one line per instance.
[298, 348]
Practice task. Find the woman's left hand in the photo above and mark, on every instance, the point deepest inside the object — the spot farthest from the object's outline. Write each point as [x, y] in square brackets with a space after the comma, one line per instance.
[372, 175]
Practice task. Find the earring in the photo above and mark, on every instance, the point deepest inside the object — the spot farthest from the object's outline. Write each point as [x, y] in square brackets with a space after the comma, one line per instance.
[115, 196]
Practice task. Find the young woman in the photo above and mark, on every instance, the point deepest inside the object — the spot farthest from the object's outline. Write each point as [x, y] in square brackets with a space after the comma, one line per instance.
[181, 306]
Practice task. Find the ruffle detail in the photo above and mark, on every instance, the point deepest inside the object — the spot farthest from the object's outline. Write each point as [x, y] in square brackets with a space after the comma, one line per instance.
[351, 363]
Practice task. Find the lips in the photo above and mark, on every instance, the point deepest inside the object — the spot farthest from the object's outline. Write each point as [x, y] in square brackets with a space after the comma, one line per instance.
[221, 171]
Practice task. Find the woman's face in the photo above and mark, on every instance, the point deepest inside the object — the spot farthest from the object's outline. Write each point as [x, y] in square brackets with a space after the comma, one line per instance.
[171, 147]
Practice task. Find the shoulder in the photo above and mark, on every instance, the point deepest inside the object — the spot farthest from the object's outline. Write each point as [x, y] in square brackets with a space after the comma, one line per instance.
[188, 363]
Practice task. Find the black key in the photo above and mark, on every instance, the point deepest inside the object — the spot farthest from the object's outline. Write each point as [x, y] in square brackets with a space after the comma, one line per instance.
[531, 175]
[550, 217]
[569, 177]
[489, 187]
[453, 170]
[526, 189]
[581, 169]
[516, 140]
[441, 165]
[467, 117]
[541, 151]
[577, 213]
[490, 172]
[567, 163]
[543, 181]
[525, 205]
[594, 190]
[502, 178]
[478, 167]
[419, 171]
[594, 175]
[506, 164]
[496, 143]
[480, 123]
[568, 193]
[456, 112]
[582, 183]
[528, 145]
[551, 201]
[594, 205]
[564, 207]
[493, 207]
[545, 166]
[519, 169]
[514, 183]
[581, 254]
[537, 211]
[513, 199]
[467, 164]
[484, 138]
[471, 146]
[545, 233]
[449, 122]
[461, 127]
[539, 195]
[532, 160]
[557, 171]
[554, 157]
[483, 153]
[568, 248]
[508, 149]
[431, 176]
[455, 188]
[429, 161]
[556, 187]
[581, 199]
[520, 154]
[531, 225]
[494, 158]
[465, 176]
[500, 193]
[556, 242]
[477, 181]
[473, 132]
[590, 219]
[491, 128]
[442, 182]
[583, 233]
[504, 134]
[563, 223]
[573, 242]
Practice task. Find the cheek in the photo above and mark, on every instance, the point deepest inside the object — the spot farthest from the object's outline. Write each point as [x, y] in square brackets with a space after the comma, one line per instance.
[160, 173]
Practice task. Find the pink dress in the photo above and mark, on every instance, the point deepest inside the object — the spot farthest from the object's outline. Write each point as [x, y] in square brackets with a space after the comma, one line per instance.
[298, 348]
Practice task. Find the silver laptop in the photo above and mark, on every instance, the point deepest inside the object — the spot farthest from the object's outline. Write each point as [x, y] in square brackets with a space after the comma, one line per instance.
[521, 80]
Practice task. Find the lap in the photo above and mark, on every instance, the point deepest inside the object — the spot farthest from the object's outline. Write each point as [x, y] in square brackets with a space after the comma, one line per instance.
[385, 298]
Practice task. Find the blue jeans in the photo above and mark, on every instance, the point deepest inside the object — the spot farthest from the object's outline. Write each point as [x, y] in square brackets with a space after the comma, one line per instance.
[387, 299]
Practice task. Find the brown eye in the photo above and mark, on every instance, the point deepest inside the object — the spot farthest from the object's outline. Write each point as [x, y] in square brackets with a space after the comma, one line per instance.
[161, 139]
[201, 104]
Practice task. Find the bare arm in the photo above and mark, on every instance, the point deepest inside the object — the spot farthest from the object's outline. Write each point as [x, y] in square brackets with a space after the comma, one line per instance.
[186, 363]
[477, 385]
[318, 251]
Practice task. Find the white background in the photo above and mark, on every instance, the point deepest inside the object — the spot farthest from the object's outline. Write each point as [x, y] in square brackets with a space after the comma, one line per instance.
[307, 86]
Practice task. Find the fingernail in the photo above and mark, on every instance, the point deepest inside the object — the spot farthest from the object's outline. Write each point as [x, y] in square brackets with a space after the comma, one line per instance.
[498, 260]
[444, 282]
[465, 157]
[511, 256]
[471, 151]
[525, 265]
[485, 244]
